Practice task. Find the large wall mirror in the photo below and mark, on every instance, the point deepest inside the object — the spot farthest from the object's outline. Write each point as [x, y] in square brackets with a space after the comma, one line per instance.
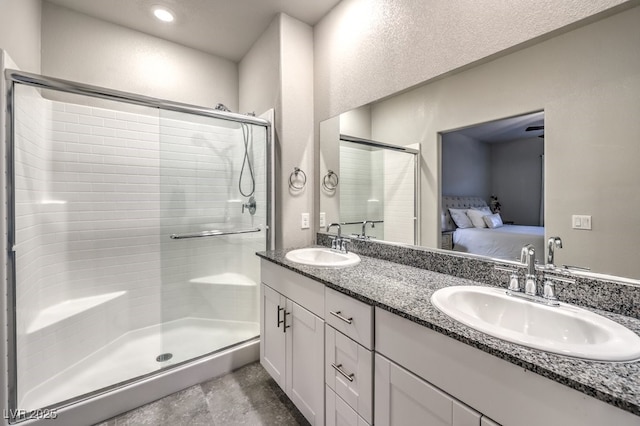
[580, 91]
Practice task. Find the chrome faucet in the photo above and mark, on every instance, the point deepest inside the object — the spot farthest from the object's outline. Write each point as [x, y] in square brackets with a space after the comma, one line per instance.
[337, 243]
[364, 225]
[528, 257]
[339, 229]
[552, 244]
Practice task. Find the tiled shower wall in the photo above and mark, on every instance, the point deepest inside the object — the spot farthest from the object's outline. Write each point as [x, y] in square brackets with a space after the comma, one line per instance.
[99, 191]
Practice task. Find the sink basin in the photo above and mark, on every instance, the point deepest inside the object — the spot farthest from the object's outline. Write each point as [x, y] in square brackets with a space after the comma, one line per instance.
[323, 257]
[565, 329]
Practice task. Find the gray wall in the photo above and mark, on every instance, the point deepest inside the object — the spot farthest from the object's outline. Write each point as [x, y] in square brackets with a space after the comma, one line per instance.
[20, 32]
[277, 73]
[367, 50]
[466, 166]
[516, 179]
[80, 48]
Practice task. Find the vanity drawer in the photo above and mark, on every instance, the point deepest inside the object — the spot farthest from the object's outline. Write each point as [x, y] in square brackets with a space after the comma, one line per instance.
[349, 372]
[349, 316]
[339, 413]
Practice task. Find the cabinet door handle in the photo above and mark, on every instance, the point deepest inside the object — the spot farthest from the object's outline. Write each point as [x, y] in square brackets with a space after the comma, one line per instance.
[339, 369]
[279, 320]
[284, 322]
[338, 315]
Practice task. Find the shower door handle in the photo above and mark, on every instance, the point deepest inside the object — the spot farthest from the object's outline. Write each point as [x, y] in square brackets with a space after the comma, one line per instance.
[279, 320]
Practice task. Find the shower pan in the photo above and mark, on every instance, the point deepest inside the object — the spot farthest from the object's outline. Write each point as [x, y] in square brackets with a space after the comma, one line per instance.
[132, 225]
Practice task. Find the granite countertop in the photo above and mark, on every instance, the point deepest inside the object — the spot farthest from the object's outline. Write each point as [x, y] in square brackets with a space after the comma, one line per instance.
[406, 291]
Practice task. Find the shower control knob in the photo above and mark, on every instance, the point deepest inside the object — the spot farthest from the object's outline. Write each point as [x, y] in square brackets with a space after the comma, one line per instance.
[251, 205]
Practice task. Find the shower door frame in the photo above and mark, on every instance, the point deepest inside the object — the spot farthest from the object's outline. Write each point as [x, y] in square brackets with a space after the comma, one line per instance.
[13, 77]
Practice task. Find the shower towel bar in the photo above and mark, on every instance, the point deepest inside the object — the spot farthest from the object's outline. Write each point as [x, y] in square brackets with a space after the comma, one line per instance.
[359, 222]
[212, 233]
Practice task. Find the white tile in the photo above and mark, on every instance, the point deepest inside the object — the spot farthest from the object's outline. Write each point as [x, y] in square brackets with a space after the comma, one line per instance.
[104, 113]
[78, 109]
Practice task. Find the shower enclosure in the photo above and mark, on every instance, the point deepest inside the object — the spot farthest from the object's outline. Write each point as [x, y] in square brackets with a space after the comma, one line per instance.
[132, 230]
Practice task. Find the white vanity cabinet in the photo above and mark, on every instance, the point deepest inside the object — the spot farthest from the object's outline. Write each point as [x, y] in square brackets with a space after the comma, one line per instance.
[348, 362]
[402, 398]
[292, 343]
[343, 362]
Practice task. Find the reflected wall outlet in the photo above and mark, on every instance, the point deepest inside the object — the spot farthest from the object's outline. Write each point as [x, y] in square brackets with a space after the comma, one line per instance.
[323, 219]
[304, 222]
[581, 221]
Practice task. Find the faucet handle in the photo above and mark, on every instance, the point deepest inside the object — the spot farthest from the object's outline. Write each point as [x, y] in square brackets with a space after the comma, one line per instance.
[549, 291]
[333, 242]
[514, 281]
[343, 246]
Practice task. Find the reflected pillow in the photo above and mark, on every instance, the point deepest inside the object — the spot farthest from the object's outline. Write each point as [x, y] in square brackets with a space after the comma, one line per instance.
[484, 209]
[476, 217]
[460, 218]
[493, 220]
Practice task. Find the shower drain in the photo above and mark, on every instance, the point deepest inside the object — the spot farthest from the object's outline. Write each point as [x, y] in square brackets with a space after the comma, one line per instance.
[164, 357]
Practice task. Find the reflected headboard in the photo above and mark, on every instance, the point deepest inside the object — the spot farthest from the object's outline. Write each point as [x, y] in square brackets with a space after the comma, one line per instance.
[457, 202]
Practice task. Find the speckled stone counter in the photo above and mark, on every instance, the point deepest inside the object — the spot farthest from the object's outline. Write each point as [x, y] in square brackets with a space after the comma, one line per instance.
[406, 291]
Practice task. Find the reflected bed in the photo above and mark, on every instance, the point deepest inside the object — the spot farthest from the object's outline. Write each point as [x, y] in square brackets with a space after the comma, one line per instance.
[503, 243]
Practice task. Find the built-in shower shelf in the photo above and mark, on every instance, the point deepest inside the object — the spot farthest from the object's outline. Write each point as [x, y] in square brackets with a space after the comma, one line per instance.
[69, 308]
[227, 278]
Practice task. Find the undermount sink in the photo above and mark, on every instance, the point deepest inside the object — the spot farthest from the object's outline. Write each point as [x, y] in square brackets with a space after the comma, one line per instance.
[565, 329]
[323, 257]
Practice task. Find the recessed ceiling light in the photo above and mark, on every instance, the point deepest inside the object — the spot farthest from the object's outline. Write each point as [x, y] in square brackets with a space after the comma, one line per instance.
[163, 14]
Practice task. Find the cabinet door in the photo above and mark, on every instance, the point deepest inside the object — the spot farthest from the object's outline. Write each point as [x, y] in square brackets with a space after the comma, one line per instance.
[305, 362]
[349, 371]
[402, 398]
[272, 342]
[340, 414]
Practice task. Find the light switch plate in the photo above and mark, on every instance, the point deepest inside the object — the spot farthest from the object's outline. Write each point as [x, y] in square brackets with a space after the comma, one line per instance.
[581, 221]
[323, 219]
[304, 222]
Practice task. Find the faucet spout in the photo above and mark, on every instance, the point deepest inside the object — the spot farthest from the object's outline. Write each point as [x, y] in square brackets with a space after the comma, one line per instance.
[552, 244]
[528, 257]
[364, 226]
[336, 225]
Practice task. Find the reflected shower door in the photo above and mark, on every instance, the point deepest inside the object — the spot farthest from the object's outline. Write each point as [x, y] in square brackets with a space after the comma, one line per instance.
[213, 219]
[378, 184]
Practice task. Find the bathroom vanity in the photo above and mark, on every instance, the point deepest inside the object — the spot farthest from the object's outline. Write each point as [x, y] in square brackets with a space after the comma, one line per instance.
[363, 345]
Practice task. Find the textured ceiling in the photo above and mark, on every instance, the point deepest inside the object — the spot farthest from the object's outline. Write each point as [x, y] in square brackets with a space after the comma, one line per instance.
[225, 28]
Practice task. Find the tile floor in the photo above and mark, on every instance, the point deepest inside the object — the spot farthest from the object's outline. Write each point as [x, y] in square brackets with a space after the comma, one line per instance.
[247, 396]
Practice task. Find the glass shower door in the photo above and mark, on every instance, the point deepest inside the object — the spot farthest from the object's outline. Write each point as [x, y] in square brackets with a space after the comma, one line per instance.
[86, 243]
[212, 221]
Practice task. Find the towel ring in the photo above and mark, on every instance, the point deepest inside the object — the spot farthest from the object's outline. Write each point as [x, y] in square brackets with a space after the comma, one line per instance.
[330, 181]
[294, 176]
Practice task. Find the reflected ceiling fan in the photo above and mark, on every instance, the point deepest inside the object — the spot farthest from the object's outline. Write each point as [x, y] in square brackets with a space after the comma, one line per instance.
[534, 128]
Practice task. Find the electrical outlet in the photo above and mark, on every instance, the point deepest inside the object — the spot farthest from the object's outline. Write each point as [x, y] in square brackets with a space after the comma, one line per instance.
[323, 219]
[304, 222]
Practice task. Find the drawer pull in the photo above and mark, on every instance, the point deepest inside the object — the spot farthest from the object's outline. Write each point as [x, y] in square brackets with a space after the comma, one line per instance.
[279, 320]
[337, 315]
[284, 322]
[339, 369]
